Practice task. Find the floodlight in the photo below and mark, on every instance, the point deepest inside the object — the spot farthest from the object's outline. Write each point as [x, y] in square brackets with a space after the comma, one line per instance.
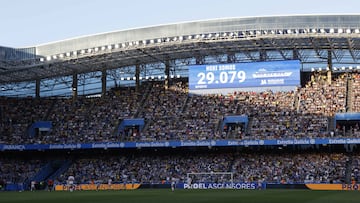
[103, 48]
[181, 38]
[350, 67]
[41, 59]
[140, 78]
[320, 69]
[332, 30]
[343, 68]
[74, 53]
[357, 31]
[322, 30]
[117, 46]
[178, 76]
[152, 41]
[122, 78]
[54, 57]
[171, 76]
[340, 30]
[159, 77]
[152, 77]
[289, 31]
[134, 78]
[61, 55]
[89, 50]
[67, 54]
[312, 69]
[334, 68]
[146, 77]
[109, 47]
[357, 67]
[82, 51]
[314, 30]
[348, 31]
[128, 78]
[130, 43]
[158, 40]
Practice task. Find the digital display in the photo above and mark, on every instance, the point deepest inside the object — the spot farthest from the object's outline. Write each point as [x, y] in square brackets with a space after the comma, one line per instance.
[238, 75]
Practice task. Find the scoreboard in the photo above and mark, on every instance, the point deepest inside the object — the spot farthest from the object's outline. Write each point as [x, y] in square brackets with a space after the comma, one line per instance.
[240, 75]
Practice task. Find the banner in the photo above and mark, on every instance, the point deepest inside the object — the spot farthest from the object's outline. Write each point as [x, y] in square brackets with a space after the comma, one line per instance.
[98, 187]
[237, 186]
[178, 143]
[333, 186]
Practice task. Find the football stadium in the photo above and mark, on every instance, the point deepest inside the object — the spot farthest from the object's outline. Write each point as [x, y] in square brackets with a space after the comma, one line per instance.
[251, 109]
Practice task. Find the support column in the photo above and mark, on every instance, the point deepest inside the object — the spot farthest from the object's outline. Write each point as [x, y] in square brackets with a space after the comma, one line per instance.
[37, 88]
[262, 54]
[295, 54]
[137, 77]
[167, 74]
[329, 64]
[103, 82]
[74, 86]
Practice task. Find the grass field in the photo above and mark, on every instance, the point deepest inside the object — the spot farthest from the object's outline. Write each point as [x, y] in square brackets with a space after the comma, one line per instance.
[182, 196]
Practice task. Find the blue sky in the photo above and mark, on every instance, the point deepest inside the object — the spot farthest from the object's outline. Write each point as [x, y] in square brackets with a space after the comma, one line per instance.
[31, 22]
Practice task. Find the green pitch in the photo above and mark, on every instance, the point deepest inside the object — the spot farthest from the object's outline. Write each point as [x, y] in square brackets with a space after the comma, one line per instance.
[182, 196]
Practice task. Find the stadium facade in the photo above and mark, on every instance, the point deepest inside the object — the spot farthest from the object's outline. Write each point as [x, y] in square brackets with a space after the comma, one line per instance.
[320, 42]
[118, 104]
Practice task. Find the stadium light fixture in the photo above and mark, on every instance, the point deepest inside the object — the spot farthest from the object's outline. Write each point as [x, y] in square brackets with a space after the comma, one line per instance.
[128, 78]
[117, 46]
[340, 30]
[332, 30]
[343, 68]
[357, 31]
[140, 78]
[159, 77]
[350, 67]
[146, 77]
[122, 78]
[123, 45]
[358, 67]
[82, 51]
[74, 53]
[152, 77]
[313, 30]
[348, 31]
[172, 76]
[67, 54]
[181, 38]
[61, 55]
[109, 47]
[41, 59]
[322, 30]
[89, 50]
[327, 68]
[289, 31]
[159, 40]
[134, 78]
[312, 69]
[320, 69]
[335, 68]
[54, 57]
[151, 41]
[178, 76]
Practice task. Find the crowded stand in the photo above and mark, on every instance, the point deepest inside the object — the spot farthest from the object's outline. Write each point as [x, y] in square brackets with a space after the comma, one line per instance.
[174, 114]
[309, 167]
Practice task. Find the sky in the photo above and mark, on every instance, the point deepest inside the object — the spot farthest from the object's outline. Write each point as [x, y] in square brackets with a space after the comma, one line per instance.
[26, 23]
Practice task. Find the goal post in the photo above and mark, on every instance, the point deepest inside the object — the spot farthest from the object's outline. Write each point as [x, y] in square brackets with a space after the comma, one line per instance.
[217, 180]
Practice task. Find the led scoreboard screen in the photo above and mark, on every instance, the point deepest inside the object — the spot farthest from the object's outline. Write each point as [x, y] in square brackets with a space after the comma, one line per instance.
[239, 75]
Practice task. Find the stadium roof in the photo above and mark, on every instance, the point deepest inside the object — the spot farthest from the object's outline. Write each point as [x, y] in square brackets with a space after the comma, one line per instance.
[309, 38]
